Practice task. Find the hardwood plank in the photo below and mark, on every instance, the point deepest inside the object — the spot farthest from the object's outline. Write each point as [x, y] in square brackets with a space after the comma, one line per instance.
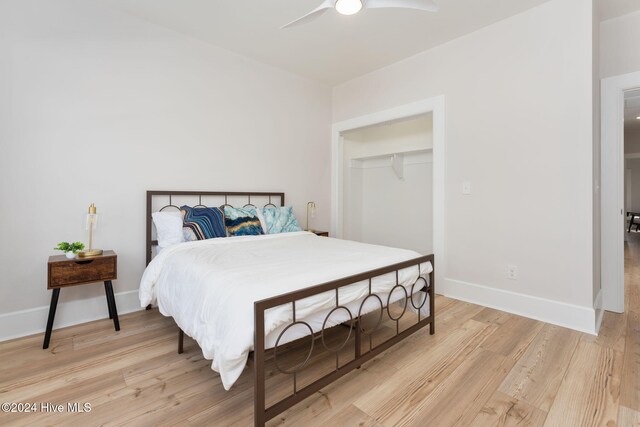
[403, 393]
[589, 393]
[94, 338]
[230, 412]
[612, 332]
[628, 417]
[632, 296]
[193, 399]
[350, 416]
[506, 411]
[36, 360]
[127, 403]
[513, 337]
[80, 392]
[491, 316]
[156, 368]
[34, 341]
[321, 406]
[457, 399]
[443, 302]
[412, 350]
[455, 314]
[80, 367]
[630, 390]
[537, 375]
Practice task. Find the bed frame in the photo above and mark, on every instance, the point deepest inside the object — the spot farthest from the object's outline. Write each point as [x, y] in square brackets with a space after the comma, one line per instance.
[364, 347]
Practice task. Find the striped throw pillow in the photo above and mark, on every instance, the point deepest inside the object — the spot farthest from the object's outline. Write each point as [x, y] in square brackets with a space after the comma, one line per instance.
[203, 223]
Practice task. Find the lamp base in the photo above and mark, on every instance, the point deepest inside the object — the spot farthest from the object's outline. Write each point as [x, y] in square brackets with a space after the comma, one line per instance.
[90, 253]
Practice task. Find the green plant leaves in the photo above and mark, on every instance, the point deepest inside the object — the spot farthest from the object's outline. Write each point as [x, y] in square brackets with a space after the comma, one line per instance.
[70, 247]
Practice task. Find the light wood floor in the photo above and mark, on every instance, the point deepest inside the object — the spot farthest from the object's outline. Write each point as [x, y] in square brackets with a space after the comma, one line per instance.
[482, 368]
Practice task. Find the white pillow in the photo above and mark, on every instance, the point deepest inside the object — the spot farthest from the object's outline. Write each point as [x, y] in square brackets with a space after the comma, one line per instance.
[168, 228]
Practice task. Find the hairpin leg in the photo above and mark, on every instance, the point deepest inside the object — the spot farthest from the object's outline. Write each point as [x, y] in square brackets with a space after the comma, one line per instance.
[106, 291]
[111, 300]
[52, 315]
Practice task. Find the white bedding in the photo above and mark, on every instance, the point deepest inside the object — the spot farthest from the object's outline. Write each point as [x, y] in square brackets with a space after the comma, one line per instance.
[209, 287]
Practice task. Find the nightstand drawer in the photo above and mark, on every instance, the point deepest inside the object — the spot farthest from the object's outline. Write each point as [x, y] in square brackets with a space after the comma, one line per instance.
[82, 271]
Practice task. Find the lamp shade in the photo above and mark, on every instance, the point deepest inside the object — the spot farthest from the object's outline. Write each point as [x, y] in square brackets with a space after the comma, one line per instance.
[91, 220]
[91, 224]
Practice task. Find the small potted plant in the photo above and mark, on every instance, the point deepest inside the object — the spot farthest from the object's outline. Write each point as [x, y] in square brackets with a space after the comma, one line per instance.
[70, 249]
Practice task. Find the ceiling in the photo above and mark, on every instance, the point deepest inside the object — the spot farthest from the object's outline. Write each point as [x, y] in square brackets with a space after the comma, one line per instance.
[632, 109]
[331, 49]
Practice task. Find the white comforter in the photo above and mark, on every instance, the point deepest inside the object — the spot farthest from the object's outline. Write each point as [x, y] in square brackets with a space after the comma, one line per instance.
[209, 287]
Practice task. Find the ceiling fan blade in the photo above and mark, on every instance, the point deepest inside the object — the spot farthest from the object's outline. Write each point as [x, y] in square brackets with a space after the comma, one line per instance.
[426, 5]
[327, 4]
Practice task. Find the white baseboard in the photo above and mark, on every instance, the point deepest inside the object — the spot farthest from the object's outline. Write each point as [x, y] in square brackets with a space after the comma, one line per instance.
[33, 321]
[570, 316]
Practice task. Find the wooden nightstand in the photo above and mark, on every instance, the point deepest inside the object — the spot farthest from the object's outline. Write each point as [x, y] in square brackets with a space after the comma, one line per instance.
[320, 233]
[64, 272]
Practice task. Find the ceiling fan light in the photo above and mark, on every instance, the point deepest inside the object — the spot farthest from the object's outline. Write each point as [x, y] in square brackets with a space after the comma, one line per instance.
[348, 7]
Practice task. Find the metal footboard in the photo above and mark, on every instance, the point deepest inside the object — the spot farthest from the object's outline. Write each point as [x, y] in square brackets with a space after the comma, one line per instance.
[364, 346]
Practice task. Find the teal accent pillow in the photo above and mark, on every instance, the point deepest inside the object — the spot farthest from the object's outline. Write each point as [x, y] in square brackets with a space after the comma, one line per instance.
[241, 222]
[280, 220]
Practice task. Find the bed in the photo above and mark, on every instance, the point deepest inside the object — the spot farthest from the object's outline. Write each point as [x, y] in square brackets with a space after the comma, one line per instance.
[296, 289]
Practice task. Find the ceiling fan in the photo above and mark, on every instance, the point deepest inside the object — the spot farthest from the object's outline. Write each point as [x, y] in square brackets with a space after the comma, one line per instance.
[351, 7]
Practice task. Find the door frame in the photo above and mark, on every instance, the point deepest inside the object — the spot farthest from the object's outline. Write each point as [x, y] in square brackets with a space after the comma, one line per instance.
[434, 105]
[612, 200]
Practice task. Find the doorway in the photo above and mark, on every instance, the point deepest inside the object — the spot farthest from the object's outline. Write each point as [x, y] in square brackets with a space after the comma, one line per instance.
[619, 94]
[432, 109]
[632, 194]
[388, 184]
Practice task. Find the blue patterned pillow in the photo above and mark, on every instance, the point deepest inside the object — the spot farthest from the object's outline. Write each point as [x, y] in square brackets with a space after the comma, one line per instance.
[204, 223]
[280, 220]
[241, 222]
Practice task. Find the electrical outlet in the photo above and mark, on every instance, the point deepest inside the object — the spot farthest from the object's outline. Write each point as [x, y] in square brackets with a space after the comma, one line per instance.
[466, 188]
[512, 272]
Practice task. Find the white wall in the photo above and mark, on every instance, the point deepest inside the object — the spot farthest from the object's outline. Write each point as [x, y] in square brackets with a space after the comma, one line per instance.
[519, 128]
[619, 52]
[378, 207]
[399, 213]
[97, 106]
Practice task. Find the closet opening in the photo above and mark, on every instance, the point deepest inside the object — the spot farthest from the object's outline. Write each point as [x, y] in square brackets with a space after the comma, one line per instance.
[387, 180]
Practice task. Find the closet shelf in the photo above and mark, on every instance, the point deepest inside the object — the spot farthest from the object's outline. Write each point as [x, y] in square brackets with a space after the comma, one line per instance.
[396, 161]
[387, 155]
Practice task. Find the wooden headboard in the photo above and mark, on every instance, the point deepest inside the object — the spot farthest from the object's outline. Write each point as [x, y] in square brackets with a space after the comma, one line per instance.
[166, 199]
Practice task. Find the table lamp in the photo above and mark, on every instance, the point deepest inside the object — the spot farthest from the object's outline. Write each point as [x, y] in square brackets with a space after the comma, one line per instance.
[311, 208]
[91, 224]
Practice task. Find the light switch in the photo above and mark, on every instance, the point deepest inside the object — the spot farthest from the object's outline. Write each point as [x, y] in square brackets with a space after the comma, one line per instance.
[466, 188]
